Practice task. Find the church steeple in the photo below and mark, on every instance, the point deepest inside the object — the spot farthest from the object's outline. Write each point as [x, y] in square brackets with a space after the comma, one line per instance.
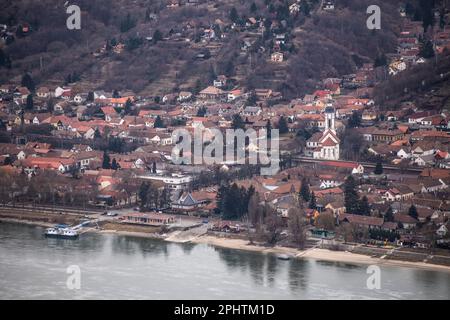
[330, 115]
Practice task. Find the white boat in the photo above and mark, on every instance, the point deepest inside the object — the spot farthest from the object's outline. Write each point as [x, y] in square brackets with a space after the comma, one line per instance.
[283, 257]
[61, 232]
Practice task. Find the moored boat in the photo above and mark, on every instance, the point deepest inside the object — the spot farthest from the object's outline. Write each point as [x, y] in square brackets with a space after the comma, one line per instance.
[62, 232]
[283, 257]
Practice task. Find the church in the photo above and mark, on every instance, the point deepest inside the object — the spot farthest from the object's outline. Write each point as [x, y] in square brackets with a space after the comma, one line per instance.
[325, 145]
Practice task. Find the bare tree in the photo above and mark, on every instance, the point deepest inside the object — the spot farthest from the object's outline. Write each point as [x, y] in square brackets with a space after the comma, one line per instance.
[274, 224]
[326, 221]
[297, 227]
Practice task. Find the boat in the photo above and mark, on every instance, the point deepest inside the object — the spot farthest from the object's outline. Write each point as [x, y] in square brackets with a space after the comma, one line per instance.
[61, 232]
[283, 257]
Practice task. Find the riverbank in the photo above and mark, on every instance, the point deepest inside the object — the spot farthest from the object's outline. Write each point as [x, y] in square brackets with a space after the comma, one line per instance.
[316, 254]
[240, 244]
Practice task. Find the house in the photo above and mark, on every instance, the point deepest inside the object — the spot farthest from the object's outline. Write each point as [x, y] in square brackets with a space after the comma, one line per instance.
[277, 57]
[442, 231]
[189, 202]
[399, 193]
[425, 160]
[84, 159]
[43, 92]
[227, 227]
[337, 207]
[330, 181]
[64, 92]
[433, 185]
[149, 219]
[404, 153]
[328, 6]
[388, 136]
[80, 148]
[406, 221]
[62, 165]
[40, 118]
[212, 93]
[184, 96]
[284, 203]
[234, 94]
[109, 112]
[251, 111]
[362, 221]
[220, 82]
[78, 99]
[120, 102]
[294, 8]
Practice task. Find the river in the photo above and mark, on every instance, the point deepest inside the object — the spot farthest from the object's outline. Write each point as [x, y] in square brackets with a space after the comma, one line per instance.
[120, 267]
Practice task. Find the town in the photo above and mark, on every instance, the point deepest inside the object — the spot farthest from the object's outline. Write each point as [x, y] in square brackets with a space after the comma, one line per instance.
[364, 165]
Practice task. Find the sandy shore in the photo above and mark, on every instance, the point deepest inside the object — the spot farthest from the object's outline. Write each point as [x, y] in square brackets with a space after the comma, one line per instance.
[316, 254]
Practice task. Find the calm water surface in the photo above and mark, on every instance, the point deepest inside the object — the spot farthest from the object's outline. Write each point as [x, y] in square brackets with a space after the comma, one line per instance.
[119, 267]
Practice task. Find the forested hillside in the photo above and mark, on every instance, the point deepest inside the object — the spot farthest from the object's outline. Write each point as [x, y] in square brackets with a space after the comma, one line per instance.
[154, 49]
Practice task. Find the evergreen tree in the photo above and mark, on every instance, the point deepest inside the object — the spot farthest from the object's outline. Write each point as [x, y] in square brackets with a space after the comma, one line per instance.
[116, 94]
[364, 207]
[379, 167]
[282, 125]
[157, 36]
[305, 8]
[237, 123]
[114, 164]
[427, 49]
[90, 96]
[312, 202]
[252, 98]
[234, 17]
[164, 199]
[305, 193]
[253, 8]
[28, 82]
[412, 212]
[97, 134]
[351, 198]
[106, 161]
[127, 23]
[158, 123]
[381, 61]
[128, 105]
[143, 195]
[30, 103]
[389, 215]
[269, 128]
[154, 167]
[442, 19]
[427, 13]
[201, 112]
[5, 60]
[355, 120]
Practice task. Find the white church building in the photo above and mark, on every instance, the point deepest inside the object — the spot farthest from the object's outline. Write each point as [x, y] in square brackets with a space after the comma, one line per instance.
[325, 145]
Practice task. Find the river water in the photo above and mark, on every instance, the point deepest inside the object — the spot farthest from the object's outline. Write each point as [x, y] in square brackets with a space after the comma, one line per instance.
[120, 267]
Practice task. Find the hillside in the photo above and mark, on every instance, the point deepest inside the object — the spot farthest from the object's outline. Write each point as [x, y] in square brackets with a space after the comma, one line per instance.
[182, 48]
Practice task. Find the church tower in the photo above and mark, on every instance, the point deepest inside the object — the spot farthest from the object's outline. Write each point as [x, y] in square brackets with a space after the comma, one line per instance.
[330, 116]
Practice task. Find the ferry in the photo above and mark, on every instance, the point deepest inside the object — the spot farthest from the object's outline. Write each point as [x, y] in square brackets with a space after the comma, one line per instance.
[62, 232]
